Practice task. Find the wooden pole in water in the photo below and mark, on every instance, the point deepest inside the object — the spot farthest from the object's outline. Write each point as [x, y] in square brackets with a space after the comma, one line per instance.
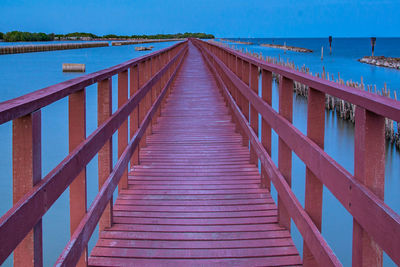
[330, 44]
[322, 53]
[373, 41]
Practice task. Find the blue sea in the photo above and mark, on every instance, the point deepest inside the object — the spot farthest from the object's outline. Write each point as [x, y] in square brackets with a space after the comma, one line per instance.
[24, 73]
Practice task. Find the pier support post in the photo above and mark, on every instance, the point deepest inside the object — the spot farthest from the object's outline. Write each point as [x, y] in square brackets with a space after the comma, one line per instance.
[134, 117]
[266, 91]
[314, 187]
[284, 152]
[246, 104]
[123, 129]
[77, 189]
[142, 103]
[369, 169]
[253, 111]
[104, 105]
[27, 172]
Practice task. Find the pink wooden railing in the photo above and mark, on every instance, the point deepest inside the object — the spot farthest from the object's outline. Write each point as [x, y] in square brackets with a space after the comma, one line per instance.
[376, 226]
[147, 80]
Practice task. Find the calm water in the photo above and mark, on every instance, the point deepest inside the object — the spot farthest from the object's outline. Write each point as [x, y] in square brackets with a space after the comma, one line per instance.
[337, 223]
[24, 73]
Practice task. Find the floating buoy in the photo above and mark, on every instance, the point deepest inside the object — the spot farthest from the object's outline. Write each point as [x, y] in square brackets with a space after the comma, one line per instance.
[73, 67]
[143, 48]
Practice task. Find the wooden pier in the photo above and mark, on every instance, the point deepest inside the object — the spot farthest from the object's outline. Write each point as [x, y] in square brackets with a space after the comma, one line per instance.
[16, 49]
[193, 171]
[195, 199]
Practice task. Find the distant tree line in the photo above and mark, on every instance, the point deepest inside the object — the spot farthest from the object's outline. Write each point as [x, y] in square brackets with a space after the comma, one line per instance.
[144, 36]
[16, 36]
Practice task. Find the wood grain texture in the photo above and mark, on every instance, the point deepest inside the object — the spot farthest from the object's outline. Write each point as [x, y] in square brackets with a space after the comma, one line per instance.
[195, 200]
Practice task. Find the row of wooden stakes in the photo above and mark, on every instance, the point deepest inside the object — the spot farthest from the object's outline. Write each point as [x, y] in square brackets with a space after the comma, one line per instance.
[16, 49]
[345, 110]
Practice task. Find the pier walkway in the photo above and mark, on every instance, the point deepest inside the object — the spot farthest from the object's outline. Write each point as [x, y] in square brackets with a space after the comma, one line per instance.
[193, 176]
[195, 199]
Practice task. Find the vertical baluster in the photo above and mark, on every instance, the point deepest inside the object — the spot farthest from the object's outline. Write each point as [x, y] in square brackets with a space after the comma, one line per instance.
[245, 105]
[150, 92]
[313, 194]
[27, 172]
[154, 88]
[77, 189]
[369, 169]
[284, 152]
[266, 136]
[123, 129]
[253, 111]
[134, 117]
[104, 111]
[142, 103]
[158, 86]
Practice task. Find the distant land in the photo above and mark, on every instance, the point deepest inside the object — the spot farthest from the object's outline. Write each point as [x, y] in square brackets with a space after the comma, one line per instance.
[17, 36]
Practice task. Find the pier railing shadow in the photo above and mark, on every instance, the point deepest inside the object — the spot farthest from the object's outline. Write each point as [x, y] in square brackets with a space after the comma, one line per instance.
[376, 227]
[147, 80]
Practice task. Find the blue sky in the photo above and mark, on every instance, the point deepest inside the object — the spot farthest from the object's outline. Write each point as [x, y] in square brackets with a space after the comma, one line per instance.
[224, 18]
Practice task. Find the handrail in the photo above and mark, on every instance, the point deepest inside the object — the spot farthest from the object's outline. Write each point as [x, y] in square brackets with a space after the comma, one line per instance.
[30, 102]
[81, 236]
[28, 211]
[381, 105]
[354, 195]
[302, 220]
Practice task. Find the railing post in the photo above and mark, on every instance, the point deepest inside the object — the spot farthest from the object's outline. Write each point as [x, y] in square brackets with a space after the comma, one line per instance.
[266, 91]
[142, 103]
[104, 105]
[123, 129]
[245, 103]
[150, 92]
[369, 169]
[314, 187]
[284, 152]
[27, 171]
[134, 117]
[77, 189]
[253, 111]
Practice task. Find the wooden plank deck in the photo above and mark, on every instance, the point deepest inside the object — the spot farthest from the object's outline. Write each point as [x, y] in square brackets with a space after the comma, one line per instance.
[195, 200]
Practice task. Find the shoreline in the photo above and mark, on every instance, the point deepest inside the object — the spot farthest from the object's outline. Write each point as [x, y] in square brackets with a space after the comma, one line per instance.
[382, 61]
[287, 47]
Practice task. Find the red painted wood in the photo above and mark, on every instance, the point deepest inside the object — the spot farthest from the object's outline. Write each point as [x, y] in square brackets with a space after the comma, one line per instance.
[253, 112]
[27, 172]
[28, 103]
[284, 151]
[134, 116]
[266, 133]
[258, 261]
[383, 106]
[87, 226]
[339, 181]
[369, 169]
[27, 212]
[77, 189]
[308, 230]
[194, 183]
[123, 129]
[314, 187]
[104, 111]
